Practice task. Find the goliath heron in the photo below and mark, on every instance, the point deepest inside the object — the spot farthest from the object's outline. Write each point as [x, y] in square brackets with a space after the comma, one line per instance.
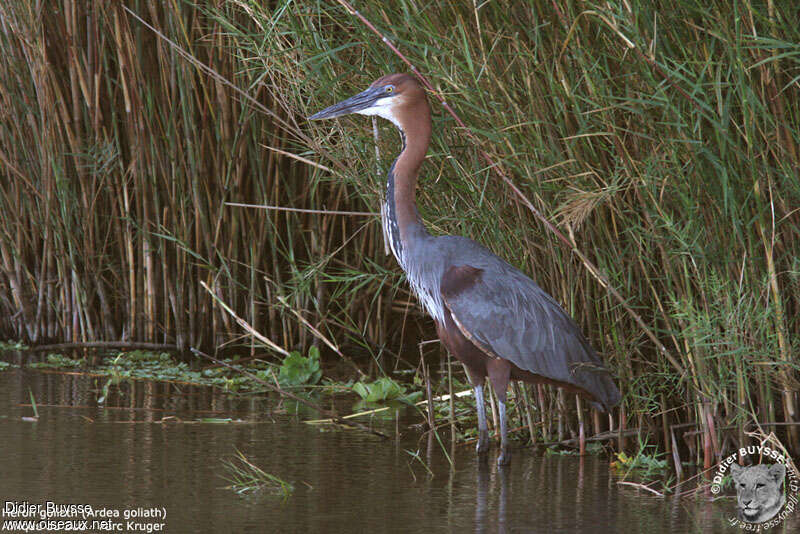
[488, 314]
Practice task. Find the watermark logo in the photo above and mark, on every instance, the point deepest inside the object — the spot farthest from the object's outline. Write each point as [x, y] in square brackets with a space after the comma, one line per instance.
[766, 493]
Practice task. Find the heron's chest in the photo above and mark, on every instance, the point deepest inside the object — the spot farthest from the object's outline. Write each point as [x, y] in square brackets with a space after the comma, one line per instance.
[429, 296]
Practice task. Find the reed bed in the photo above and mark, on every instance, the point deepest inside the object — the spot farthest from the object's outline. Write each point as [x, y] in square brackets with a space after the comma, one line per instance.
[662, 139]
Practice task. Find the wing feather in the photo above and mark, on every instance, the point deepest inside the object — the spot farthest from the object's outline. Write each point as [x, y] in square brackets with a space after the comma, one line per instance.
[507, 315]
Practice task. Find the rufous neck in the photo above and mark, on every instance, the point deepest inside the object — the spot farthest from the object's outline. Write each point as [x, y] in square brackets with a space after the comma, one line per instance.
[416, 134]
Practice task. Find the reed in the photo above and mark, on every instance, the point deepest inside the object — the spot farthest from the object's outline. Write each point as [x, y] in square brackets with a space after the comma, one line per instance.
[245, 477]
[662, 142]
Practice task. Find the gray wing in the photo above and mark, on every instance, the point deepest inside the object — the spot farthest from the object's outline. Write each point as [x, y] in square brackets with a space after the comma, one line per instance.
[506, 314]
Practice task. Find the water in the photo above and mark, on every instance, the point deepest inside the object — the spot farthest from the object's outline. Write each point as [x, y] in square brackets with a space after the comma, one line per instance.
[344, 480]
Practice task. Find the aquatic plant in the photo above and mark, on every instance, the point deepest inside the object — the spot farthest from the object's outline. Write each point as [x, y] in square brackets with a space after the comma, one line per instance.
[246, 477]
[33, 404]
[385, 389]
[8, 346]
[57, 361]
[645, 464]
[297, 369]
[639, 461]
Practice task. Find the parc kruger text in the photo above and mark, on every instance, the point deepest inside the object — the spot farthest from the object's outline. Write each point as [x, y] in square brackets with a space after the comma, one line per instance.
[51, 525]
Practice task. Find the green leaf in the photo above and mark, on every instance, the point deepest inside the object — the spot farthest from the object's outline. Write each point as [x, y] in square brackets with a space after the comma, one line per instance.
[384, 389]
[299, 370]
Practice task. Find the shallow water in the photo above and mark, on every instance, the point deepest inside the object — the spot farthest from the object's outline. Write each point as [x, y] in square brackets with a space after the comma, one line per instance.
[121, 457]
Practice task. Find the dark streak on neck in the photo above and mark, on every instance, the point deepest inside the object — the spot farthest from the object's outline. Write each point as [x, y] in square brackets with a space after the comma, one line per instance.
[412, 116]
[393, 231]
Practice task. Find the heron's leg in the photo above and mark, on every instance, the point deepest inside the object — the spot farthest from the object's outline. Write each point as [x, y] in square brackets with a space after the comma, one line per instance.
[477, 378]
[505, 453]
[483, 430]
[500, 374]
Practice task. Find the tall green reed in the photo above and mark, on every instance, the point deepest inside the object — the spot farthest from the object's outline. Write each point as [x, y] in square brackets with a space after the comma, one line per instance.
[663, 142]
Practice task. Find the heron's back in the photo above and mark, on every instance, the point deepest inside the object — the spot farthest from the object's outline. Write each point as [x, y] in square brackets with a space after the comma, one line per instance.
[506, 311]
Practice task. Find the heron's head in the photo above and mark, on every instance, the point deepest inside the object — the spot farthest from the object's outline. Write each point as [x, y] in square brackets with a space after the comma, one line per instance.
[395, 97]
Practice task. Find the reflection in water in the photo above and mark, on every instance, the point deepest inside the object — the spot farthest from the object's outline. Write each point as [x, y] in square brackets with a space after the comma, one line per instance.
[482, 492]
[345, 481]
[501, 508]
[484, 521]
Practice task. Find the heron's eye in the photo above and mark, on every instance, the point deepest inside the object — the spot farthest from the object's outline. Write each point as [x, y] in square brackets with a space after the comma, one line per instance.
[389, 89]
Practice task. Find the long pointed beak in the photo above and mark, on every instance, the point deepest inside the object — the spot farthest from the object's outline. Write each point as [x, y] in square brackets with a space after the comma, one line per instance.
[354, 104]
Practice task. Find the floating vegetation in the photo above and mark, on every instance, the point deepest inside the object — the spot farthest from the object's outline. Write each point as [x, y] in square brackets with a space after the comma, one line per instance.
[385, 389]
[297, 369]
[57, 361]
[8, 346]
[245, 477]
[639, 462]
[294, 370]
[645, 464]
[160, 366]
[164, 367]
[554, 451]
[592, 448]
[154, 366]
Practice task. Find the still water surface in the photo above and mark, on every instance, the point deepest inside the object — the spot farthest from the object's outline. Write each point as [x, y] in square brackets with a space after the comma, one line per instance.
[345, 481]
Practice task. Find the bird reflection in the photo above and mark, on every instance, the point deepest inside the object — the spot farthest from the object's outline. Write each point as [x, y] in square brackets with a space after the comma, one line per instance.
[563, 480]
[483, 522]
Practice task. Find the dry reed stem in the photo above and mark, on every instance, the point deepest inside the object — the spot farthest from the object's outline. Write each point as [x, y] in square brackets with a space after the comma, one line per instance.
[244, 324]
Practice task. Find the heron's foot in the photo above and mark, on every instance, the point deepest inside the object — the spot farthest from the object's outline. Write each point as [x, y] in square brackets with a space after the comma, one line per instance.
[483, 442]
[504, 458]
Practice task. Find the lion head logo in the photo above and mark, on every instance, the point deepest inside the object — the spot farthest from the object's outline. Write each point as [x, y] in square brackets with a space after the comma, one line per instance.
[759, 491]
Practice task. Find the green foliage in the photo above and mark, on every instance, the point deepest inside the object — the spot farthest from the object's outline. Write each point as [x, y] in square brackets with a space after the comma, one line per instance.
[646, 463]
[554, 451]
[592, 447]
[8, 346]
[384, 389]
[297, 370]
[146, 364]
[640, 461]
[6, 365]
[57, 361]
[246, 477]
